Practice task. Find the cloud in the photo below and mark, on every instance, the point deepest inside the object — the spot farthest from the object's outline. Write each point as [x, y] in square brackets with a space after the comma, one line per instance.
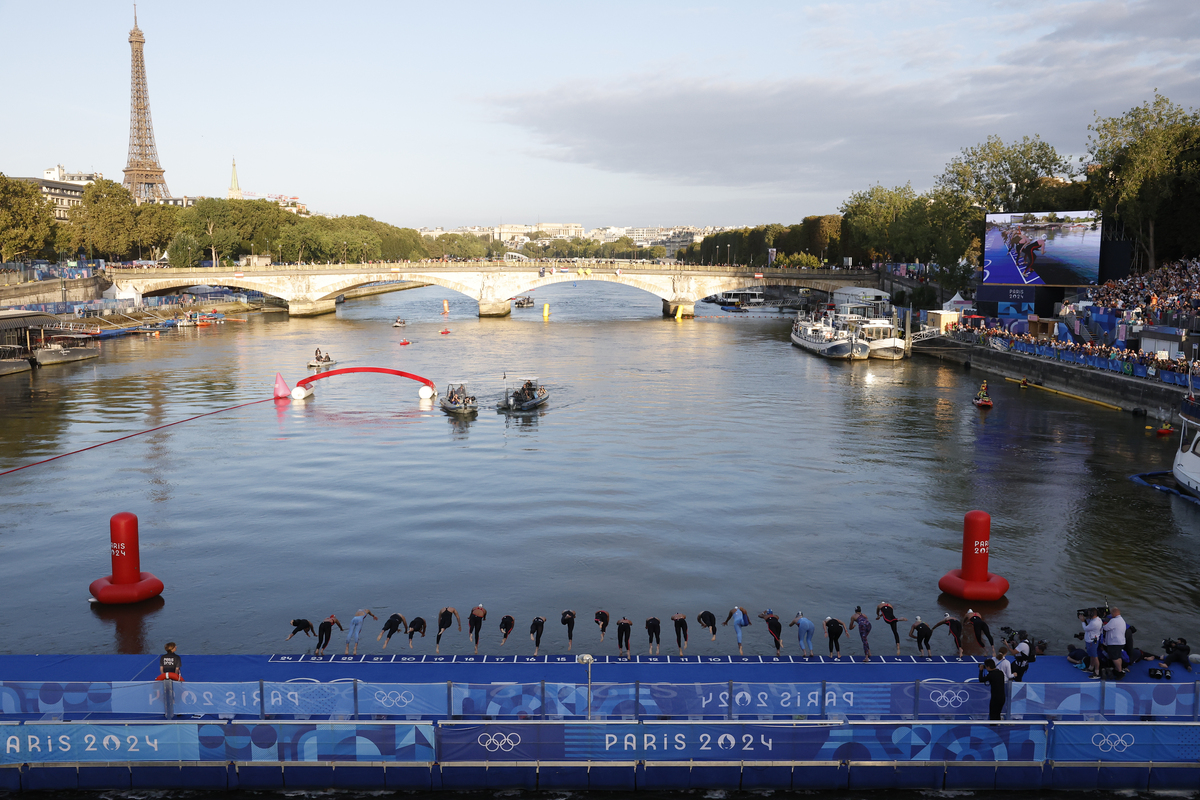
[838, 131]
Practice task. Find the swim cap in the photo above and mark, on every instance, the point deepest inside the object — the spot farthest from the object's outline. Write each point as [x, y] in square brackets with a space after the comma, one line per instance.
[970, 611]
[828, 618]
[918, 619]
[947, 615]
[769, 611]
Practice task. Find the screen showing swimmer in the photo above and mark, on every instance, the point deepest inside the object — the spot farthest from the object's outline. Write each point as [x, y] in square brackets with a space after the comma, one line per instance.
[1042, 249]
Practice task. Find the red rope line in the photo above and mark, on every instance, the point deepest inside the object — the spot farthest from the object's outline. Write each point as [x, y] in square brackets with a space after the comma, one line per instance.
[130, 436]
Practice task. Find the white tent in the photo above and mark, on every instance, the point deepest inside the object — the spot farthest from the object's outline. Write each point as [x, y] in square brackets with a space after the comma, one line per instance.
[957, 303]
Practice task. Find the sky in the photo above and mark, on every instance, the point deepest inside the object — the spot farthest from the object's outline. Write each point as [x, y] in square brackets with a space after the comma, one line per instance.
[448, 114]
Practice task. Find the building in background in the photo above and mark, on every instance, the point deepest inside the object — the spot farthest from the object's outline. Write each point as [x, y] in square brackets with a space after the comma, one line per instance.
[62, 195]
[235, 191]
[62, 175]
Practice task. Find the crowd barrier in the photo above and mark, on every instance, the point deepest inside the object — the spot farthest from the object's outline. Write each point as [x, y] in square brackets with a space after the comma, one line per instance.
[820, 700]
[581, 755]
[1099, 362]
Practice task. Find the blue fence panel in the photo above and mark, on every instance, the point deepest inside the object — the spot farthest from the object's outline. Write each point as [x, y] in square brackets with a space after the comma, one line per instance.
[361, 741]
[122, 697]
[1093, 742]
[614, 700]
[945, 741]
[1055, 699]
[310, 699]
[685, 699]
[1165, 699]
[777, 699]
[87, 742]
[519, 700]
[1139, 370]
[217, 698]
[869, 699]
[400, 699]
[960, 699]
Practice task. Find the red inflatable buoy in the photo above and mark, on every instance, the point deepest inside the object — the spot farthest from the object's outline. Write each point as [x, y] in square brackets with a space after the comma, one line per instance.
[127, 584]
[973, 581]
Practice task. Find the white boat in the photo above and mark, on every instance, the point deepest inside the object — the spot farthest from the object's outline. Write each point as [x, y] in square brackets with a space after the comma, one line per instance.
[1186, 468]
[524, 394]
[458, 399]
[818, 336]
[324, 362]
[65, 348]
[399, 323]
[881, 334]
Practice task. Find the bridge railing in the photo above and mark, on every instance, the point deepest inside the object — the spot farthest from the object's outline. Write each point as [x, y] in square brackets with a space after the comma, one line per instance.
[725, 700]
[567, 267]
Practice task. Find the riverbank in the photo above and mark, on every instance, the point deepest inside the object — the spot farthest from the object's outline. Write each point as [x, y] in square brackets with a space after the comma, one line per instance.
[1111, 388]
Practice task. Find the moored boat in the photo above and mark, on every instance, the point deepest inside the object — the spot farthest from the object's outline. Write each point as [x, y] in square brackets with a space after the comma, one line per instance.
[1186, 467]
[818, 336]
[65, 348]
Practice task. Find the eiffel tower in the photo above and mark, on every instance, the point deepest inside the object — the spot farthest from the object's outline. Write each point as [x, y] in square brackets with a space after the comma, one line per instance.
[143, 174]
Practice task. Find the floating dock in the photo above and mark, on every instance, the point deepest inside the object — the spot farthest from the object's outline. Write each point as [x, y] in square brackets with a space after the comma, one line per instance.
[426, 722]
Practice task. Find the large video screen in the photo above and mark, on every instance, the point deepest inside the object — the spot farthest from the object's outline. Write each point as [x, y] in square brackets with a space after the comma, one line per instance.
[1044, 249]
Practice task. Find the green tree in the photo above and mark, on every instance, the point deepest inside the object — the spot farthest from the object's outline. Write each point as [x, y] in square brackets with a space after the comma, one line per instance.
[304, 241]
[1001, 177]
[870, 215]
[154, 227]
[104, 222]
[185, 251]
[1141, 161]
[26, 219]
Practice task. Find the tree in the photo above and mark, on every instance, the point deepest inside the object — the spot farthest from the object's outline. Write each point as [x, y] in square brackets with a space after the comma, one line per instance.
[870, 216]
[185, 251]
[104, 222]
[26, 219]
[1001, 177]
[154, 227]
[304, 240]
[1143, 159]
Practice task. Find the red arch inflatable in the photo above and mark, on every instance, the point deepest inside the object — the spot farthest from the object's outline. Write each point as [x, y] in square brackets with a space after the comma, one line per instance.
[384, 370]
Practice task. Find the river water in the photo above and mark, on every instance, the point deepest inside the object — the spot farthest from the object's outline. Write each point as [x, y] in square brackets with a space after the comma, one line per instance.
[679, 466]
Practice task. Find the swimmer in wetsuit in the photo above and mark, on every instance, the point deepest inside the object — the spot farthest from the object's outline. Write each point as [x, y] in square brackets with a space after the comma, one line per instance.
[475, 624]
[535, 632]
[356, 628]
[299, 625]
[325, 632]
[774, 627]
[415, 627]
[804, 632]
[654, 629]
[921, 632]
[833, 632]
[740, 620]
[885, 610]
[624, 628]
[602, 621]
[955, 628]
[708, 619]
[391, 627]
[973, 618]
[568, 619]
[446, 618]
[507, 623]
[680, 621]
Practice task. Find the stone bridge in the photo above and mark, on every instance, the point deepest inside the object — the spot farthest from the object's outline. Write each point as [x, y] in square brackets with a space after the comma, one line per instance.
[312, 289]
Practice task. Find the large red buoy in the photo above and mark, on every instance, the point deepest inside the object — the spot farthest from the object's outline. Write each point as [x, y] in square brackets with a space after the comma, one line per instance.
[127, 584]
[973, 581]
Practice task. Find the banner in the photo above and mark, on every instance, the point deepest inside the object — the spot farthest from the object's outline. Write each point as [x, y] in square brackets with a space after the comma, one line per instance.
[1116, 742]
[36, 697]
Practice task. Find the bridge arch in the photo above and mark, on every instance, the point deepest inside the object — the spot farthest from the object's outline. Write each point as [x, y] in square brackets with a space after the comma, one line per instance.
[353, 282]
[157, 288]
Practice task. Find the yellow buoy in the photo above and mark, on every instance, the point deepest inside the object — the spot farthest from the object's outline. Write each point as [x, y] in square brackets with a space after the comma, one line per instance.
[445, 306]
[545, 311]
[678, 312]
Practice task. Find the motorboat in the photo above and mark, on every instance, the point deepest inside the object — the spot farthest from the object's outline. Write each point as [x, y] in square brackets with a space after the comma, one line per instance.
[523, 302]
[64, 348]
[1186, 467]
[735, 309]
[524, 394]
[317, 363]
[881, 335]
[818, 336]
[982, 401]
[458, 399]
[399, 323]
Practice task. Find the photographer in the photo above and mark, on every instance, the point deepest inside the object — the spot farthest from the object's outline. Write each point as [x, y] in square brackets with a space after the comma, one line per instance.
[1176, 651]
[1092, 627]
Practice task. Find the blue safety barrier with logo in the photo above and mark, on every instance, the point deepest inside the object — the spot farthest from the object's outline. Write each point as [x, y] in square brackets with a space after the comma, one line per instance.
[1144, 742]
[399, 699]
[195, 741]
[216, 698]
[127, 698]
[325, 699]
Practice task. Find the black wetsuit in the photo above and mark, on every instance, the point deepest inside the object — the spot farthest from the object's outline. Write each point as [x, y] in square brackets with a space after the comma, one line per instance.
[475, 625]
[507, 623]
[392, 626]
[324, 633]
[602, 621]
[170, 663]
[301, 626]
[654, 628]
[776, 630]
[995, 681]
[415, 627]
[835, 630]
[924, 632]
[981, 630]
[445, 620]
[955, 631]
[680, 632]
[708, 619]
[889, 616]
[568, 619]
[535, 628]
[623, 630]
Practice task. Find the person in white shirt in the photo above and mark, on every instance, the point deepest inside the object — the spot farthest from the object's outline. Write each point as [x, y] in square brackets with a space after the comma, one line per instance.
[1091, 641]
[1004, 665]
[1114, 638]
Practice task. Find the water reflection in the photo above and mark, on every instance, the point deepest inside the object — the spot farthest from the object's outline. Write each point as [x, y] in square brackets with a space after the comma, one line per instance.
[129, 623]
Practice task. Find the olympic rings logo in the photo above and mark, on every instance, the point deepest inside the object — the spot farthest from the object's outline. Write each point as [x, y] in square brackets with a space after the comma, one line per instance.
[951, 698]
[499, 741]
[1112, 742]
[394, 699]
